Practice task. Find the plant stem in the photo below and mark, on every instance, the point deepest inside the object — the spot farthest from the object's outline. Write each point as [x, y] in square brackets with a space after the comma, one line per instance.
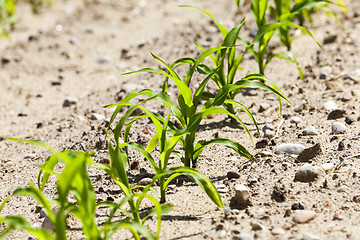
[162, 190]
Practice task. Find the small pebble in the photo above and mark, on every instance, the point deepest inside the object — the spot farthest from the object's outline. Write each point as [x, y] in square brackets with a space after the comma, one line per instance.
[97, 116]
[74, 41]
[70, 101]
[337, 128]
[336, 114]
[330, 38]
[303, 216]
[330, 105]
[278, 231]
[299, 107]
[338, 216]
[222, 234]
[242, 194]
[309, 153]
[263, 107]
[42, 213]
[290, 148]
[268, 126]
[103, 59]
[298, 206]
[145, 181]
[355, 93]
[341, 146]
[257, 226]
[9, 165]
[269, 133]
[30, 155]
[309, 131]
[232, 175]
[327, 167]
[350, 119]
[295, 119]
[244, 236]
[308, 173]
[343, 189]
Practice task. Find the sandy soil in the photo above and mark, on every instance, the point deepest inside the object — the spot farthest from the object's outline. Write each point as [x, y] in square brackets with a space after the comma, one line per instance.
[81, 49]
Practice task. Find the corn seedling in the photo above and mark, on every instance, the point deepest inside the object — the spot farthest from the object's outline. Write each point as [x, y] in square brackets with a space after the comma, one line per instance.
[266, 32]
[7, 16]
[222, 74]
[74, 180]
[189, 116]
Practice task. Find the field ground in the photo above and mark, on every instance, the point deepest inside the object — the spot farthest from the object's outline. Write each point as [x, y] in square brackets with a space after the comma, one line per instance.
[78, 49]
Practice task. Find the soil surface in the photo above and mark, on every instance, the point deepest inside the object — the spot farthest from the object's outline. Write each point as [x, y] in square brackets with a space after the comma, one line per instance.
[80, 49]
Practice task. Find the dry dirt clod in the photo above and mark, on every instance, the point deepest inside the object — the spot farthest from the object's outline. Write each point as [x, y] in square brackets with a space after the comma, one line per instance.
[309, 153]
[308, 173]
[336, 114]
[242, 195]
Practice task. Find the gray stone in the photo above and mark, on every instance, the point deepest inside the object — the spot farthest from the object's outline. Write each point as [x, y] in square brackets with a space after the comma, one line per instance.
[295, 119]
[97, 116]
[263, 107]
[290, 148]
[42, 213]
[256, 226]
[242, 194]
[145, 181]
[232, 175]
[308, 173]
[268, 126]
[350, 119]
[337, 128]
[303, 216]
[310, 130]
[244, 236]
[299, 107]
[70, 101]
[75, 41]
[9, 165]
[269, 134]
[104, 59]
[337, 113]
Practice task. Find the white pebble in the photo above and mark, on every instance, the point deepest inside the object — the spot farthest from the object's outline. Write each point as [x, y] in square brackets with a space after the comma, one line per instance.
[327, 167]
[290, 148]
[9, 165]
[330, 105]
[338, 127]
[242, 194]
[295, 119]
[310, 130]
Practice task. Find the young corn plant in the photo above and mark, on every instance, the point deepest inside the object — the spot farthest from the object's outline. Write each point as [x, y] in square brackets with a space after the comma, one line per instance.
[7, 16]
[287, 10]
[225, 62]
[265, 33]
[189, 114]
[74, 180]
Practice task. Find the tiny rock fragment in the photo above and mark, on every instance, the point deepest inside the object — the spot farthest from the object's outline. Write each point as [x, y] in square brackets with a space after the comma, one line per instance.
[244, 236]
[69, 101]
[242, 194]
[355, 93]
[97, 116]
[277, 231]
[299, 107]
[330, 105]
[350, 119]
[309, 153]
[303, 216]
[262, 143]
[338, 216]
[295, 119]
[103, 59]
[327, 167]
[337, 113]
[232, 175]
[145, 181]
[9, 165]
[278, 194]
[290, 148]
[337, 128]
[308, 173]
[310, 131]
[256, 226]
[329, 38]
[298, 206]
[263, 107]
